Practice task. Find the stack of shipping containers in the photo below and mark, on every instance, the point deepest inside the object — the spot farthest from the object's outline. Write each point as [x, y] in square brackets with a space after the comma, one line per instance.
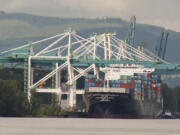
[144, 86]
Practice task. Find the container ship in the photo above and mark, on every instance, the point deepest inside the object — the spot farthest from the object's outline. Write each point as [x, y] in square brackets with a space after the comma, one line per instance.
[124, 93]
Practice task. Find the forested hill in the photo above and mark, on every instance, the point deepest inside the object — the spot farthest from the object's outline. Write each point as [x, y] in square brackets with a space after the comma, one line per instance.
[19, 28]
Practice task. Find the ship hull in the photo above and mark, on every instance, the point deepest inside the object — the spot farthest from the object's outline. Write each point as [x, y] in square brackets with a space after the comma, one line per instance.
[120, 105]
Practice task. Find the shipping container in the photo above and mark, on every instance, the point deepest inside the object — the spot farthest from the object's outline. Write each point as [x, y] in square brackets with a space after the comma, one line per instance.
[148, 85]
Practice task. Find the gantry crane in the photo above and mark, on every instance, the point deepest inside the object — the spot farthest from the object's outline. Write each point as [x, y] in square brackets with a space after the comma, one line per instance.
[160, 50]
[131, 31]
[69, 51]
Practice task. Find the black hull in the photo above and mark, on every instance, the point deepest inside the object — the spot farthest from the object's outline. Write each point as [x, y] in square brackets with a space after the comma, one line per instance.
[120, 106]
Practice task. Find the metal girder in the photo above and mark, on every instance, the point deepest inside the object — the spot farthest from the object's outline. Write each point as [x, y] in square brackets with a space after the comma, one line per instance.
[82, 47]
[83, 72]
[49, 75]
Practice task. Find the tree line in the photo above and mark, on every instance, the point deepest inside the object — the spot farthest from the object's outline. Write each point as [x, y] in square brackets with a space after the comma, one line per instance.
[14, 103]
[171, 98]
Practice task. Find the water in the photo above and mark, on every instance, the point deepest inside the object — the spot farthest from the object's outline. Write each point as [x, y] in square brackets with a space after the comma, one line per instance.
[69, 126]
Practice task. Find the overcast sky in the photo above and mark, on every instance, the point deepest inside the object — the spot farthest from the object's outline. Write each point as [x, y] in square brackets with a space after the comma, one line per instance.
[164, 13]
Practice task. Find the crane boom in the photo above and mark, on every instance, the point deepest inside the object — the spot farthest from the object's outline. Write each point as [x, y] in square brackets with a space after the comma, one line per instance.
[160, 50]
[165, 45]
[131, 31]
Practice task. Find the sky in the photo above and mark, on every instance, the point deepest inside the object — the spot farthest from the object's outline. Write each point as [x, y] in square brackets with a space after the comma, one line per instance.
[165, 13]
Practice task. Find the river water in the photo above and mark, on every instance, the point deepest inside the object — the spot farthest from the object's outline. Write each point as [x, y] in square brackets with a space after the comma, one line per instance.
[78, 126]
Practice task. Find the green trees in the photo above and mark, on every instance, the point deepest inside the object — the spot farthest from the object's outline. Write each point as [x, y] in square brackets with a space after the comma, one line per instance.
[171, 98]
[177, 97]
[37, 108]
[12, 101]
